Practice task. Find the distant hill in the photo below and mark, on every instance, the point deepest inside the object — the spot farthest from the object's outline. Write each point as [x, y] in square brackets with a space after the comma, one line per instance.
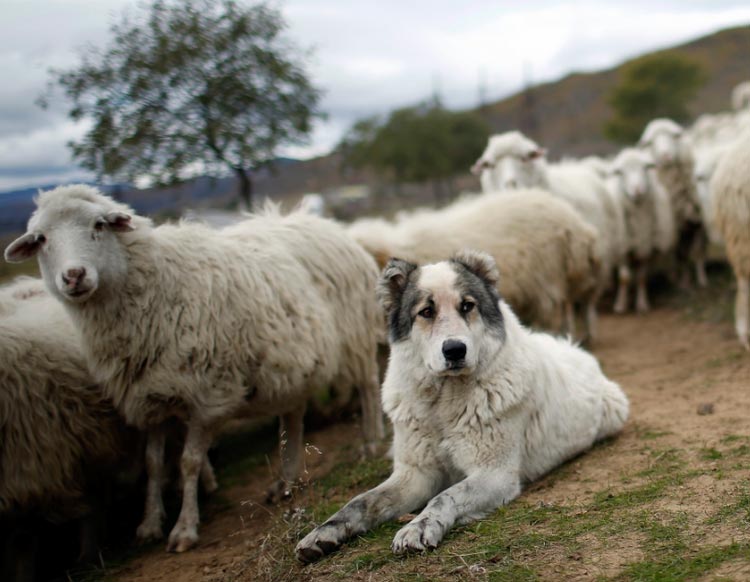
[568, 114]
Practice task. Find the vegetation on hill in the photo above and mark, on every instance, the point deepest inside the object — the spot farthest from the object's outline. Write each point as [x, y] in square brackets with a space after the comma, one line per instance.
[658, 85]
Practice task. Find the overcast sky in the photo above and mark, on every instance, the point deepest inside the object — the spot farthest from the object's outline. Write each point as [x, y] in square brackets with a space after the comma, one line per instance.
[369, 57]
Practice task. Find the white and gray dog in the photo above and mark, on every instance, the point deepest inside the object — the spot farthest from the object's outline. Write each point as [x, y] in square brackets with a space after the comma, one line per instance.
[479, 405]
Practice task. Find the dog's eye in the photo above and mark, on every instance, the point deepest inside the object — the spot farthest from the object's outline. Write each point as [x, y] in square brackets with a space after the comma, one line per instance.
[467, 306]
[427, 313]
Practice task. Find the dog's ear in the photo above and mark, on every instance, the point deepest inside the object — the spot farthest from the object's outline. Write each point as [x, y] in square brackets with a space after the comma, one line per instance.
[393, 282]
[479, 263]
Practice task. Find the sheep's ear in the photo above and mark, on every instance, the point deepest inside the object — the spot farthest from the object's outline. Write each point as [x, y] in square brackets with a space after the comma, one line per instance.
[479, 263]
[119, 221]
[23, 247]
[393, 281]
[537, 153]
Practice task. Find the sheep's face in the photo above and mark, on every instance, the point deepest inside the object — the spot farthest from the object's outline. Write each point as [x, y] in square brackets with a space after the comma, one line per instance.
[632, 173]
[444, 317]
[513, 160]
[662, 140]
[77, 248]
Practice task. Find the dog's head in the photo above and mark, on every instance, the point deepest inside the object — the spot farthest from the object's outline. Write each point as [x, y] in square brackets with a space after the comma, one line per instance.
[447, 314]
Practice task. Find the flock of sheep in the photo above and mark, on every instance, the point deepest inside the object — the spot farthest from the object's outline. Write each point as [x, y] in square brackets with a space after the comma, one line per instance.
[134, 325]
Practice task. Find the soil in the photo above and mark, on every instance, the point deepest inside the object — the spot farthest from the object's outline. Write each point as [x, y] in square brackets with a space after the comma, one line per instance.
[688, 384]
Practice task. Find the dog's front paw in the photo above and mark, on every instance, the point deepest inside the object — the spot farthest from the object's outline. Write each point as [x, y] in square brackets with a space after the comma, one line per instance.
[419, 535]
[321, 541]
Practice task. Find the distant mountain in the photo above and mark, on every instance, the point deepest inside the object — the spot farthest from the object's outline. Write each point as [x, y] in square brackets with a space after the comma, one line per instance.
[568, 114]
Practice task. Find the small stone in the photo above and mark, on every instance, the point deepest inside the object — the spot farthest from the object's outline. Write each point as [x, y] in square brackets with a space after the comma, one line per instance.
[706, 408]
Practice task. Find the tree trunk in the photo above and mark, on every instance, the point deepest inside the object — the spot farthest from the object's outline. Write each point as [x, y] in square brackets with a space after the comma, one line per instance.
[246, 188]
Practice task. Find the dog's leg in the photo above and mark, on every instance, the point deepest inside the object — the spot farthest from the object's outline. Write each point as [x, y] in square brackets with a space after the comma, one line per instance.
[470, 499]
[408, 488]
[150, 527]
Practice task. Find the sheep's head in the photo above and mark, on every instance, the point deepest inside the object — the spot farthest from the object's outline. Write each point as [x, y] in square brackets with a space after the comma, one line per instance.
[661, 139]
[632, 172]
[74, 233]
[514, 160]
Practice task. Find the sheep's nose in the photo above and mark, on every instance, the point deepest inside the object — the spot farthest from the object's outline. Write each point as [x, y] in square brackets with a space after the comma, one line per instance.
[454, 350]
[72, 277]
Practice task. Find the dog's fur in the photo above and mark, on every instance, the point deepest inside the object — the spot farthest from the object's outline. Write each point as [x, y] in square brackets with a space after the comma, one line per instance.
[471, 428]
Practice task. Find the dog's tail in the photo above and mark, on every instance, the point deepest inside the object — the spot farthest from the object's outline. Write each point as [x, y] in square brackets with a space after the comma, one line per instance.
[615, 410]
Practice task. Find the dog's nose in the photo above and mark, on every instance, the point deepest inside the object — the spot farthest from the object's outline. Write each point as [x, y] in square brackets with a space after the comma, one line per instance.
[72, 277]
[454, 350]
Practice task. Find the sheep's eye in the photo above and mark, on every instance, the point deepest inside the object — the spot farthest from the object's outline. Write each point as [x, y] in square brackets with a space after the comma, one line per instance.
[427, 313]
[467, 306]
[40, 238]
[617, 172]
[99, 225]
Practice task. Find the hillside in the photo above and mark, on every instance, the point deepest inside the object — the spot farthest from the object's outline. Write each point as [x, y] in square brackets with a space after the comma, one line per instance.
[566, 115]
[569, 113]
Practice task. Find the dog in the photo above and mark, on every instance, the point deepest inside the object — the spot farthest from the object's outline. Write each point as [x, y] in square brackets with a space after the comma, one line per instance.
[480, 405]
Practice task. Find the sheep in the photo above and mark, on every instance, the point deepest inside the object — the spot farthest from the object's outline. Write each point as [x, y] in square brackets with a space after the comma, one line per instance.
[57, 429]
[706, 161]
[547, 254]
[511, 160]
[730, 188]
[741, 96]
[648, 220]
[665, 141]
[182, 321]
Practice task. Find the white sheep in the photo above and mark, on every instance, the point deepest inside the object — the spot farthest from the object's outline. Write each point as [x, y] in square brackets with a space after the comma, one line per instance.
[665, 141]
[204, 325]
[706, 161]
[649, 221]
[511, 161]
[741, 96]
[730, 188]
[546, 253]
[57, 429]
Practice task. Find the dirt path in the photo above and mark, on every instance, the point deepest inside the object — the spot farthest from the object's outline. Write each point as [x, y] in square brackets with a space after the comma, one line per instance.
[678, 468]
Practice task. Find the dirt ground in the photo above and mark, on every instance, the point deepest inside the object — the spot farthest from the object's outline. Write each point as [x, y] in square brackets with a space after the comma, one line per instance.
[676, 474]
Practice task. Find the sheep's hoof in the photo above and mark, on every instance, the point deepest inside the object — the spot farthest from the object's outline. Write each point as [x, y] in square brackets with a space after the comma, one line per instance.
[148, 532]
[278, 492]
[182, 540]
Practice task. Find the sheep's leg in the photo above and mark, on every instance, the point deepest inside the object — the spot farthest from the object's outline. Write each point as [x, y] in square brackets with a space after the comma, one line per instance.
[372, 415]
[570, 319]
[150, 528]
[623, 283]
[641, 293]
[700, 246]
[184, 535]
[592, 320]
[291, 446]
[742, 311]
[208, 477]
